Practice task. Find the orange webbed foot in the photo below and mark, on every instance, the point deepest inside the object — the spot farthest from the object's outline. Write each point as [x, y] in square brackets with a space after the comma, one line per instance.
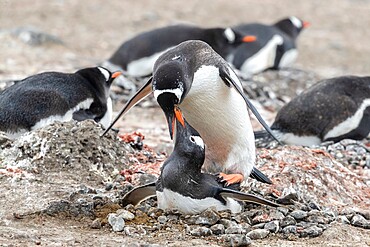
[231, 178]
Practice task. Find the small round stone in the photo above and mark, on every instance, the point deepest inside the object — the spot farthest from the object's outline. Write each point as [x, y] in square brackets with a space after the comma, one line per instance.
[258, 234]
[218, 229]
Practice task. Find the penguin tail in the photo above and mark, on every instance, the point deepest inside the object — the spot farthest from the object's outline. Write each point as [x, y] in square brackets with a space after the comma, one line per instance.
[139, 194]
[240, 196]
[259, 176]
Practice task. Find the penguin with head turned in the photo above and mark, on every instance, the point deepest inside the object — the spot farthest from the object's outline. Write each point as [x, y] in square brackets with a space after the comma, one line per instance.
[137, 56]
[275, 47]
[193, 77]
[42, 99]
[331, 110]
[182, 185]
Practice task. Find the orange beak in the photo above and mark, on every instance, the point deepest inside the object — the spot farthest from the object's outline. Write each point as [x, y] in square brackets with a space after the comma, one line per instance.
[116, 74]
[178, 115]
[249, 38]
[306, 24]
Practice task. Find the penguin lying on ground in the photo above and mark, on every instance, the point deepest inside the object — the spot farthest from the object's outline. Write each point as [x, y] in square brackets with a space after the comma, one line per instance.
[181, 184]
[199, 81]
[331, 110]
[42, 99]
[138, 55]
[275, 46]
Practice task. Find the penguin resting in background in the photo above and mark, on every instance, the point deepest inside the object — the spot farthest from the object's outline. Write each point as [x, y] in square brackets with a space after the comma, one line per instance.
[275, 47]
[42, 99]
[181, 184]
[137, 56]
[331, 110]
[195, 78]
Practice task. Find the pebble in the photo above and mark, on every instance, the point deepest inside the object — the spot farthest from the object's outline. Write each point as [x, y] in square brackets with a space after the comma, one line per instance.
[126, 215]
[312, 231]
[234, 229]
[287, 221]
[258, 234]
[272, 226]
[343, 219]
[116, 221]
[360, 221]
[162, 219]
[208, 217]
[277, 215]
[96, 224]
[237, 240]
[290, 229]
[218, 229]
[298, 214]
[200, 231]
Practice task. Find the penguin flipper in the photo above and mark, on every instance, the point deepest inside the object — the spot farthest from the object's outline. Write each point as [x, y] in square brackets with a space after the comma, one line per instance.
[229, 81]
[240, 196]
[259, 176]
[139, 194]
[143, 92]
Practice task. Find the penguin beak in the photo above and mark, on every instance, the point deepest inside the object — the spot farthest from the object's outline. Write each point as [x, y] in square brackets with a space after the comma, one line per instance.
[172, 116]
[116, 74]
[306, 24]
[249, 38]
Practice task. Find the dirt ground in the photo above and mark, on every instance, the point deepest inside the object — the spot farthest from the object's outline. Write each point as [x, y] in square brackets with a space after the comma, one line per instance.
[336, 43]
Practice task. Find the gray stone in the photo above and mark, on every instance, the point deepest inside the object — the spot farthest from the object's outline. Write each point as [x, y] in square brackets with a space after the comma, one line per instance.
[162, 219]
[316, 218]
[116, 221]
[276, 215]
[237, 240]
[284, 210]
[312, 231]
[360, 221]
[272, 226]
[290, 229]
[245, 227]
[343, 219]
[218, 229]
[258, 234]
[227, 223]
[298, 214]
[208, 217]
[126, 215]
[200, 231]
[96, 224]
[287, 221]
[233, 230]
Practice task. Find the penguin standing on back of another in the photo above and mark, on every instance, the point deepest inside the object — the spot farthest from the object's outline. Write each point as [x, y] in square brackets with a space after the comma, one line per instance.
[331, 110]
[42, 99]
[193, 77]
[275, 47]
[181, 184]
[138, 55]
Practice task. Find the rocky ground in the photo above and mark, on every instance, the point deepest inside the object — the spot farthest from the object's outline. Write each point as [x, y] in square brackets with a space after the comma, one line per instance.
[61, 185]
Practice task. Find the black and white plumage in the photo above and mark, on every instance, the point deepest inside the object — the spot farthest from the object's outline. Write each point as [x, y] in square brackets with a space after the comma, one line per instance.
[274, 48]
[331, 110]
[195, 78]
[181, 184]
[137, 56]
[42, 99]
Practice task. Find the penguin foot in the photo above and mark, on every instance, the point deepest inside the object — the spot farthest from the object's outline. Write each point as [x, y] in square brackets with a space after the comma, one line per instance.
[231, 178]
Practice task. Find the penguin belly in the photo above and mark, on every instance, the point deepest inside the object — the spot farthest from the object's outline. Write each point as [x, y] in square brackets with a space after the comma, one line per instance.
[168, 199]
[143, 66]
[221, 117]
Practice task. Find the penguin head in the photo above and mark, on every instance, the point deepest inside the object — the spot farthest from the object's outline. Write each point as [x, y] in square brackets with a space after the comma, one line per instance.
[292, 26]
[99, 77]
[235, 37]
[188, 142]
[171, 82]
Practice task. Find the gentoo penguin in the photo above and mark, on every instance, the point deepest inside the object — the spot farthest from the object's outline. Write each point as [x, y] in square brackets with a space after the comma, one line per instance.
[195, 78]
[137, 55]
[331, 110]
[274, 48]
[42, 99]
[181, 184]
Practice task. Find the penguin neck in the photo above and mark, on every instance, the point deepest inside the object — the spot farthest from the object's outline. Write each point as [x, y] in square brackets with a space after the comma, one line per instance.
[189, 162]
[288, 28]
[215, 37]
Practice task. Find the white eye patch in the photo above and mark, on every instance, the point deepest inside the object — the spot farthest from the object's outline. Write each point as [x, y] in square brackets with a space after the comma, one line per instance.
[296, 22]
[105, 73]
[197, 140]
[229, 34]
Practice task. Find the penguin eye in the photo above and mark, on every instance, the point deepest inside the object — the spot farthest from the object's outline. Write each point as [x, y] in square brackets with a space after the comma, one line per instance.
[192, 139]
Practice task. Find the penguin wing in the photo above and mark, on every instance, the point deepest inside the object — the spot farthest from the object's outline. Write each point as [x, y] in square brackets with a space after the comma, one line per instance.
[240, 196]
[143, 92]
[230, 81]
[81, 115]
[259, 176]
[139, 194]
